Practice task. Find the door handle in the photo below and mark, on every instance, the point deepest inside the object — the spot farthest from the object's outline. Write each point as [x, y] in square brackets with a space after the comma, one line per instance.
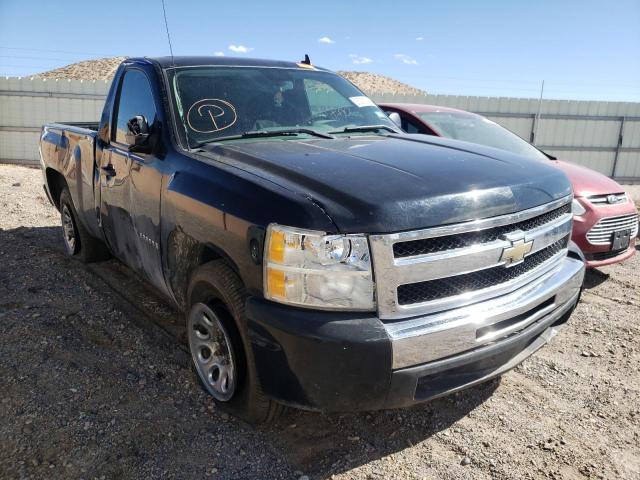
[109, 170]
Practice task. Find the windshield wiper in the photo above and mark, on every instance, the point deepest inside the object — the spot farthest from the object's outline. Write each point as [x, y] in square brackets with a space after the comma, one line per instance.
[366, 128]
[268, 133]
[288, 131]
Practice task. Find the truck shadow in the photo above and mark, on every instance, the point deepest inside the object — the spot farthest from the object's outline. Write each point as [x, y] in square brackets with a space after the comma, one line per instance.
[318, 445]
[323, 445]
[594, 277]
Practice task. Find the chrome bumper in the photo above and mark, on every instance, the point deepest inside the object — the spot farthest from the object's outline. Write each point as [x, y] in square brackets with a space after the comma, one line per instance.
[431, 337]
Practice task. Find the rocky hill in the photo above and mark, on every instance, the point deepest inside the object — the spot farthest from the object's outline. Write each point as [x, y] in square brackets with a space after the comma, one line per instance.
[373, 83]
[99, 69]
[104, 68]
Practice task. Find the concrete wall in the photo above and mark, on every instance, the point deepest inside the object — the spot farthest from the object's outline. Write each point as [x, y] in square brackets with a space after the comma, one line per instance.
[26, 104]
[604, 136]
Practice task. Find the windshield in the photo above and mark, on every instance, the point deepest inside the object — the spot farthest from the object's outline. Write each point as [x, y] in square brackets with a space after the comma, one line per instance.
[477, 129]
[218, 102]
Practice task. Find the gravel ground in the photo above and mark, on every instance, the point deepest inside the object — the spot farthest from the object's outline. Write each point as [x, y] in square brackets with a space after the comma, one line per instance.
[95, 383]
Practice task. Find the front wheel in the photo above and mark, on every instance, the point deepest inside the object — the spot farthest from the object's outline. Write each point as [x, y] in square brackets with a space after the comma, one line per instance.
[220, 350]
[212, 352]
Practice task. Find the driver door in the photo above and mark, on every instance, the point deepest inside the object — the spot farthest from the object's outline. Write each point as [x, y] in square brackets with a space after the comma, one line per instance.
[130, 183]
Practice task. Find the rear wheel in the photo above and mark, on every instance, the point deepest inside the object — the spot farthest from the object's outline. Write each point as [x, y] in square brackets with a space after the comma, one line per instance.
[76, 239]
[220, 350]
[69, 233]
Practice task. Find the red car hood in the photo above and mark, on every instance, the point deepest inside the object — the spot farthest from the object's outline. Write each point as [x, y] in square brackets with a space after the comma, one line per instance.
[587, 182]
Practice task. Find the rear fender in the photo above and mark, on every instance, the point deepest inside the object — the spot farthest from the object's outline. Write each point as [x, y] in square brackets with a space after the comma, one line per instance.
[68, 158]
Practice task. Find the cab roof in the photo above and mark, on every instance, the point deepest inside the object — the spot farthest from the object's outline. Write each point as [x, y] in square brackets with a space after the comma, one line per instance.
[191, 61]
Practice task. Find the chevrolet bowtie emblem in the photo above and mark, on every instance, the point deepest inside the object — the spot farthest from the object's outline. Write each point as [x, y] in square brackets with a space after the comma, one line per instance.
[517, 251]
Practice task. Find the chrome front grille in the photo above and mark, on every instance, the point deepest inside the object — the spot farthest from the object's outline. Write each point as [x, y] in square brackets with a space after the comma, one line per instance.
[461, 240]
[610, 199]
[435, 269]
[602, 232]
[475, 281]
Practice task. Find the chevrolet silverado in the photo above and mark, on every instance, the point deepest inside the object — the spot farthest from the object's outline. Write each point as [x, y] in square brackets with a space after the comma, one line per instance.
[324, 259]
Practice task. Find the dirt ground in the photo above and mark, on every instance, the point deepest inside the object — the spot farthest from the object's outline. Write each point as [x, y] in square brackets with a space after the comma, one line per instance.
[95, 382]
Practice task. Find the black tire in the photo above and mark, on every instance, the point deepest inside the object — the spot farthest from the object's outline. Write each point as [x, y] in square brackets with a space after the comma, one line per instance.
[77, 241]
[216, 285]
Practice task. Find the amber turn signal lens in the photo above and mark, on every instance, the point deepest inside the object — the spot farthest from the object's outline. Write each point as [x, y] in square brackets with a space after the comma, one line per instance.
[276, 247]
[276, 282]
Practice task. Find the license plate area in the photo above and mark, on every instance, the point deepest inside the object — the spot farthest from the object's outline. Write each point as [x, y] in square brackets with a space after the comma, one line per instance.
[621, 239]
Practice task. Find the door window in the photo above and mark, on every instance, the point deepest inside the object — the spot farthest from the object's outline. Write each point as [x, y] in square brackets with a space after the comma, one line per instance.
[410, 126]
[135, 99]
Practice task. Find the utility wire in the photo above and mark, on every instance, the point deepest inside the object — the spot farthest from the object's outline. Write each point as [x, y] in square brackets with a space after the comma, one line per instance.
[58, 51]
[21, 57]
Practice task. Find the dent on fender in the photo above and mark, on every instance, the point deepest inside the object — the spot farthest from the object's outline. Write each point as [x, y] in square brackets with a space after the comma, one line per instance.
[183, 254]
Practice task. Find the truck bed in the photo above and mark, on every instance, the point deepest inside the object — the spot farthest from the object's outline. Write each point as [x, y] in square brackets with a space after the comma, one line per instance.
[74, 126]
[68, 159]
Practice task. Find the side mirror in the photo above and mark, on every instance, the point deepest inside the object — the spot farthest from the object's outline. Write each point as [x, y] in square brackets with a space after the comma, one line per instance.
[138, 136]
[395, 118]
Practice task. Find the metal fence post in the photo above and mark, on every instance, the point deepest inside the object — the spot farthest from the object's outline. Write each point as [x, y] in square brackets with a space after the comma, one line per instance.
[618, 147]
[536, 119]
[533, 130]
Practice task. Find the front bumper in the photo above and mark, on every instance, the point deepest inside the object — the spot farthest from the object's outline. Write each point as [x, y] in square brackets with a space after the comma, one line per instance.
[337, 362]
[600, 255]
[601, 259]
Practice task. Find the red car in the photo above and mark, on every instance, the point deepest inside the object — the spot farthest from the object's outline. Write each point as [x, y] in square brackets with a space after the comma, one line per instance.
[605, 218]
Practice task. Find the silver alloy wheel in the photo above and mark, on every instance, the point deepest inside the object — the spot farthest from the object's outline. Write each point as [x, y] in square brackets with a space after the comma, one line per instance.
[212, 352]
[68, 230]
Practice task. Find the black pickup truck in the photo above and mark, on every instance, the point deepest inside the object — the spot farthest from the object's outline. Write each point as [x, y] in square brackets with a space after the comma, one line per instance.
[323, 259]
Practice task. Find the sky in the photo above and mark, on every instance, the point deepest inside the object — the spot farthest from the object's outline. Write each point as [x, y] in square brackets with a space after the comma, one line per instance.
[584, 50]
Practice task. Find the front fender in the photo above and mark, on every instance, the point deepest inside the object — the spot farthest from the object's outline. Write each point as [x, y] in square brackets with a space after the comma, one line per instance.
[217, 211]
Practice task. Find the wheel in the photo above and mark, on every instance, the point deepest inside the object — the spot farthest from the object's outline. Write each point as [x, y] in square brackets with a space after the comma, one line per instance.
[77, 241]
[69, 233]
[212, 352]
[220, 350]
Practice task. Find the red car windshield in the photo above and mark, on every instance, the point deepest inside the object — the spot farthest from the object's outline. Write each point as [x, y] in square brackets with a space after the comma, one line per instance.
[477, 129]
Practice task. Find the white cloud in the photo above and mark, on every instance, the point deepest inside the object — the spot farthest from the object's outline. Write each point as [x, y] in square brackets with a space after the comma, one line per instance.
[419, 39]
[240, 49]
[358, 60]
[218, 54]
[406, 59]
[326, 40]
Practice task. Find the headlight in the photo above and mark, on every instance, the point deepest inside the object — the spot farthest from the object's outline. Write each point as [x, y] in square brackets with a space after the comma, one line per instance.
[313, 269]
[577, 208]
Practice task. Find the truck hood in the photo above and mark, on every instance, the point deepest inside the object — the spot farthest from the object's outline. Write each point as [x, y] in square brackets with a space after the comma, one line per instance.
[381, 184]
[587, 182]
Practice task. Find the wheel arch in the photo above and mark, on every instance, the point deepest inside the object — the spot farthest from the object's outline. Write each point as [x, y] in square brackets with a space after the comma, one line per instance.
[56, 183]
[184, 256]
[209, 252]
